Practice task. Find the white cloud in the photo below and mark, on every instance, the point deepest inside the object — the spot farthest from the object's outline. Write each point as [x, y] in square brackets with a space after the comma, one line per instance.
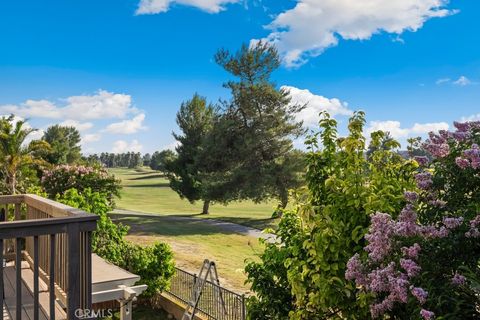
[422, 128]
[101, 105]
[92, 137]
[394, 127]
[442, 81]
[315, 104]
[462, 81]
[80, 126]
[159, 6]
[127, 126]
[397, 132]
[473, 117]
[312, 26]
[121, 146]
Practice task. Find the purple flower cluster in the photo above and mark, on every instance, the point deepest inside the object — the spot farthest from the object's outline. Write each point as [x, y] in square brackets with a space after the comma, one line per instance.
[410, 266]
[436, 139]
[424, 180]
[440, 150]
[461, 136]
[452, 223]
[407, 222]
[462, 126]
[458, 279]
[420, 294]
[427, 315]
[462, 163]
[411, 196]
[473, 156]
[356, 271]
[411, 252]
[422, 160]
[387, 280]
[473, 232]
[379, 236]
[431, 232]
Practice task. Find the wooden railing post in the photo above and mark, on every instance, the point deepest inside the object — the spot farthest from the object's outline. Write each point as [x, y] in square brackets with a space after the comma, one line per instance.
[73, 295]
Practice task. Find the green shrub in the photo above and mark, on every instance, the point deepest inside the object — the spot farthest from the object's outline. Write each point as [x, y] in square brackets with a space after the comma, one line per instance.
[154, 263]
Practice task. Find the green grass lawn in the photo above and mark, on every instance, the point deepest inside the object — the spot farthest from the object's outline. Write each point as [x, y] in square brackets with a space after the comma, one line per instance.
[147, 191]
[193, 241]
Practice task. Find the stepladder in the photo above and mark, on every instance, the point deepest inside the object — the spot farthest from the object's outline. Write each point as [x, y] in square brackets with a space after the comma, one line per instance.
[208, 273]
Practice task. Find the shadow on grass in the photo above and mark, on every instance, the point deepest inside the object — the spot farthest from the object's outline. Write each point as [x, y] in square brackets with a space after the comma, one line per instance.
[256, 223]
[168, 225]
[150, 185]
[151, 176]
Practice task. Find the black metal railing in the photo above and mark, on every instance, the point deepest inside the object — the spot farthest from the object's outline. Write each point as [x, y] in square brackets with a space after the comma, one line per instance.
[216, 302]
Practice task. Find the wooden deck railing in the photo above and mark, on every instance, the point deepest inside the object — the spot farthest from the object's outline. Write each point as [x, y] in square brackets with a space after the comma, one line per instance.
[55, 240]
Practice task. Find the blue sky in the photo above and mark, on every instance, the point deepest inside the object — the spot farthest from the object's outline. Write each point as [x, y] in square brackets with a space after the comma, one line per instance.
[118, 70]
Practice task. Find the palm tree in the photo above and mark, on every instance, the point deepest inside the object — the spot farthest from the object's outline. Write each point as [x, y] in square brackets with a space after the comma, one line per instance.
[15, 154]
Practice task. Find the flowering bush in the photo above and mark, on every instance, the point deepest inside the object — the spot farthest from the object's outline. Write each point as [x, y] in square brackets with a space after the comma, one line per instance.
[423, 262]
[302, 276]
[64, 177]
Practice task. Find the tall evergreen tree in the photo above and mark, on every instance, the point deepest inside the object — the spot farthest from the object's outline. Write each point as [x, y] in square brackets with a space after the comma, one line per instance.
[185, 172]
[251, 141]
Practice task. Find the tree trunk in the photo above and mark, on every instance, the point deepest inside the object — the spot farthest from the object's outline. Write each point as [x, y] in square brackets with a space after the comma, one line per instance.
[206, 206]
[283, 198]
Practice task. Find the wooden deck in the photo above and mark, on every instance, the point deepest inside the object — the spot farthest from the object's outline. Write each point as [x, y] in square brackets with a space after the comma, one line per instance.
[105, 277]
[9, 310]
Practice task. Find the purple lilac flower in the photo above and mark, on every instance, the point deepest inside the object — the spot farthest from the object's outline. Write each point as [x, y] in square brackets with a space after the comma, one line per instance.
[436, 138]
[473, 154]
[462, 163]
[474, 232]
[355, 271]
[461, 136]
[410, 266]
[424, 180]
[420, 294]
[387, 280]
[379, 236]
[440, 150]
[427, 315]
[452, 223]
[458, 279]
[379, 278]
[462, 126]
[411, 196]
[422, 160]
[406, 225]
[412, 251]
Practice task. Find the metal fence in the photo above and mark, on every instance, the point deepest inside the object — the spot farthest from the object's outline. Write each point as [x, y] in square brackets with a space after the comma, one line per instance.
[228, 306]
